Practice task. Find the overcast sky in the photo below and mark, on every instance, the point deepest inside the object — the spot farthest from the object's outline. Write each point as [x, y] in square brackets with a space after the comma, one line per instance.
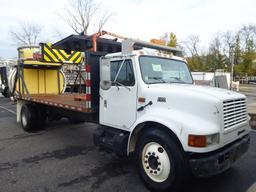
[143, 19]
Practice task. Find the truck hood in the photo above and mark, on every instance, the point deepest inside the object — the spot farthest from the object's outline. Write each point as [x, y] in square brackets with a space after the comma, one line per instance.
[199, 101]
[197, 91]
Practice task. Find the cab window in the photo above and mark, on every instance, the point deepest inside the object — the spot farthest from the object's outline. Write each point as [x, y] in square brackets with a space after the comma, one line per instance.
[126, 74]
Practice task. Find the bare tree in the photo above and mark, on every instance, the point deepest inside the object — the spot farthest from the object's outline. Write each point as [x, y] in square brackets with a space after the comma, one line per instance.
[81, 13]
[192, 45]
[216, 50]
[103, 20]
[27, 33]
[229, 39]
[248, 36]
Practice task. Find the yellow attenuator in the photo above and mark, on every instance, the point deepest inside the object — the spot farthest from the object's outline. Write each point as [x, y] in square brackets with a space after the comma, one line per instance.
[42, 81]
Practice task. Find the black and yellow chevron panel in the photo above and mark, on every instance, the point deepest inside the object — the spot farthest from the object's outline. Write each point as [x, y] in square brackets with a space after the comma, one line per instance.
[50, 55]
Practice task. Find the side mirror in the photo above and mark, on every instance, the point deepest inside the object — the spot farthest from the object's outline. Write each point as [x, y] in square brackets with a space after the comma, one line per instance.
[105, 85]
[105, 76]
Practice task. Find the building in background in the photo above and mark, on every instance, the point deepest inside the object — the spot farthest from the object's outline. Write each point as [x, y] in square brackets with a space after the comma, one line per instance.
[219, 78]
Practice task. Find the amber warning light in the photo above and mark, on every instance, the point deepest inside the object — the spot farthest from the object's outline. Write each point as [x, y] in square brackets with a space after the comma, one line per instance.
[158, 41]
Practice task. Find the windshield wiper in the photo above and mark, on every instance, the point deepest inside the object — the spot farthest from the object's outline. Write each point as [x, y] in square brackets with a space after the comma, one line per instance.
[158, 78]
[177, 79]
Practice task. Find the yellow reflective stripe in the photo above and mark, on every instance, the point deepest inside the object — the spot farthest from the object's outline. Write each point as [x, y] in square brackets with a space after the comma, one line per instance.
[59, 55]
[71, 55]
[74, 56]
[53, 51]
[46, 58]
[79, 60]
[50, 54]
[77, 57]
[64, 53]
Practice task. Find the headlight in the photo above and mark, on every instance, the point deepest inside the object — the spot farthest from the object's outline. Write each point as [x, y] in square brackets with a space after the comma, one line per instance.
[203, 140]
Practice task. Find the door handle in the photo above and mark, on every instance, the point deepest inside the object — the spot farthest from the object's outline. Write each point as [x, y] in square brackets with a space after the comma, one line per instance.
[105, 103]
[143, 107]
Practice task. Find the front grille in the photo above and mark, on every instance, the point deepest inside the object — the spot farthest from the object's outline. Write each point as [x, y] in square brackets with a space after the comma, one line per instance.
[235, 112]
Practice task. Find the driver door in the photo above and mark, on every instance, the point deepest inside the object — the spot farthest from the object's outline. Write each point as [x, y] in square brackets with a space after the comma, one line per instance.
[118, 103]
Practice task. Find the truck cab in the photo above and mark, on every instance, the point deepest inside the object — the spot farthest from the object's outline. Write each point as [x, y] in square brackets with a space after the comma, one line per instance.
[152, 96]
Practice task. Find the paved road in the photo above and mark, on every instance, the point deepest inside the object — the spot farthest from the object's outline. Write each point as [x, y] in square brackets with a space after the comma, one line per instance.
[63, 158]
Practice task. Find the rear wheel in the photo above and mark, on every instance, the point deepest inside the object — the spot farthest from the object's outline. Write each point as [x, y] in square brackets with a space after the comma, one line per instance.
[32, 118]
[5, 92]
[161, 162]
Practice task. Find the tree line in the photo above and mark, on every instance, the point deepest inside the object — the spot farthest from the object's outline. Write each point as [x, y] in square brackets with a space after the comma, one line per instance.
[217, 55]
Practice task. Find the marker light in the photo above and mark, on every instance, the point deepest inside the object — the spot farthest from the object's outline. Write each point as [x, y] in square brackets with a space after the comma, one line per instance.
[203, 140]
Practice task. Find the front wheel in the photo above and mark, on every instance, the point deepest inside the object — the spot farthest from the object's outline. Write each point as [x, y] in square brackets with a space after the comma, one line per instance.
[161, 162]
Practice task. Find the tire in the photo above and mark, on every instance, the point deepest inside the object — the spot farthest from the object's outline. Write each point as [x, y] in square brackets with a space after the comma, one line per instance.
[161, 162]
[30, 118]
[5, 92]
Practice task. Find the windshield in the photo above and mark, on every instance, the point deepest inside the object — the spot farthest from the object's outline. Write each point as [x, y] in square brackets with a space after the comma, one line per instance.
[164, 70]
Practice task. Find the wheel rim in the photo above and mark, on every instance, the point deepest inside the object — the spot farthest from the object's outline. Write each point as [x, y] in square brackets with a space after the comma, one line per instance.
[156, 162]
[24, 119]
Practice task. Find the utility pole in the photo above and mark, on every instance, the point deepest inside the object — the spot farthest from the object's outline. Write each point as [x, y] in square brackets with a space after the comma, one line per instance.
[231, 57]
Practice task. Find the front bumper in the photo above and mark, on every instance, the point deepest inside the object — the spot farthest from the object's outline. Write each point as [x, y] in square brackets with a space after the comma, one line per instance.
[213, 163]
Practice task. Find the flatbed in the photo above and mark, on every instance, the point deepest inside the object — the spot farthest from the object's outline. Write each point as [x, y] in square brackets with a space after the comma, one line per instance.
[68, 101]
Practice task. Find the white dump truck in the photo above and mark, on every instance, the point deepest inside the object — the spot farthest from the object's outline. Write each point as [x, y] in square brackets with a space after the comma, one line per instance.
[143, 97]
